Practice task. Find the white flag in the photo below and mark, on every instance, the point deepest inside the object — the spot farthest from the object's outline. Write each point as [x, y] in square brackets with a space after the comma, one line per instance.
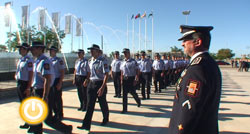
[41, 21]
[55, 19]
[7, 15]
[24, 16]
[67, 24]
[79, 27]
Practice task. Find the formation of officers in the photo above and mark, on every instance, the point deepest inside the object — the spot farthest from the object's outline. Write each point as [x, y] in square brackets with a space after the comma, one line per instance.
[197, 90]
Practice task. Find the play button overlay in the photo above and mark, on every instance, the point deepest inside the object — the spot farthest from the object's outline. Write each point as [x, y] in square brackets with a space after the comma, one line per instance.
[33, 110]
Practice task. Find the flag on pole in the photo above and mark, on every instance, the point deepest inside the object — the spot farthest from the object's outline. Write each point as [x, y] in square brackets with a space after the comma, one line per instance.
[144, 15]
[41, 21]
[186, 12]
[79, 27]
[67, 24]
[7, 15]
[24, 16]
[151, 14]
[132, 16]
[55, 19]
[137, 16]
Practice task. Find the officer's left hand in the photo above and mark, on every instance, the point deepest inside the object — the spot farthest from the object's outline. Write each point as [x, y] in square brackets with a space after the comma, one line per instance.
[100, 91]
[162, 74]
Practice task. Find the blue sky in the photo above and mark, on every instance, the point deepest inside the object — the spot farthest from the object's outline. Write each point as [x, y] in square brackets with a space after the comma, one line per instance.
[230, 18]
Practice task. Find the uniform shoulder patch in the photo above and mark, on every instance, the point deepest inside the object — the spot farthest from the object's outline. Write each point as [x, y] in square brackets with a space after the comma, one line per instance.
[193, 88]
[30, 64]
[196, 61]
[46, 66]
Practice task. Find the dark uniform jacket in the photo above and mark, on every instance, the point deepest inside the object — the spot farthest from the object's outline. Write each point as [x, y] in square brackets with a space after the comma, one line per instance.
[196, 103]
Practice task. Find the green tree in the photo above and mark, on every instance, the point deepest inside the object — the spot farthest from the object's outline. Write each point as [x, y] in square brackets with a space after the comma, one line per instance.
[213, 55]
[176, 51]
[225, 53]
[32, 34]
[3, 48]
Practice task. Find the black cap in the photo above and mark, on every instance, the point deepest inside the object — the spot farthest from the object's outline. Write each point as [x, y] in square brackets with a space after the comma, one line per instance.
[164, 54]
[80, 51]
[143, 52]
[53, 48]
[188, 31]
[157, 54]
[37, 44]
[137, 54]
[23, 45]
[116, 52]
[125, 50]
[94, 46]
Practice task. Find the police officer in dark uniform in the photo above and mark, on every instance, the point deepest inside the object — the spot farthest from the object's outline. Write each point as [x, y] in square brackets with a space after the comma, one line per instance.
[97, 87]
[81, 76]
[24, 74]
[116, 74]
[145, 68]
[43, 80]
[129, 78]
[158, 72]
[56, 89]
[197, 99]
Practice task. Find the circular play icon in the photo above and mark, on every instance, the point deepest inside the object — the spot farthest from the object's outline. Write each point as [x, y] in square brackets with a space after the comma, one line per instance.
[33, 110]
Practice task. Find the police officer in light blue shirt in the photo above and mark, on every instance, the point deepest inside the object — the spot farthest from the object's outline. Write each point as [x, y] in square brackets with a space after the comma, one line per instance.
[116, 74]
[145, 67]
[97, 87]
[129, 78]
[158, 72]
[24, 74]
[42, 82]
[56, 89]
[81, 76]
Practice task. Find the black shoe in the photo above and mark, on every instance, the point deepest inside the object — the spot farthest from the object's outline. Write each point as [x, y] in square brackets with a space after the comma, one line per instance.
[123, 112]
[116, 96]
[83, 127]
[39, 131]
[31, 130]
[143, 98]
[160, 91]
[24, 126]
[104, 122]
[69, 129]
[119, 96]
[156, 91]
[139, 104]
[84, 109]
[79, 109]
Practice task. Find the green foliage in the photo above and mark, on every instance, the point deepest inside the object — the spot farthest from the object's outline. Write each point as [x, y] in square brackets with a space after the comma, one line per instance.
[213, 55]
[225, 53]
[3, 48]
[32, 34]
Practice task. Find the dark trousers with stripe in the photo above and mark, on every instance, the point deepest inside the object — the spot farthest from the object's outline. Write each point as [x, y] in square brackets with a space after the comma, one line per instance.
[21, 87]
[117, 82]
[57, 106]
[145, 81]
[92, 89]
[81, 90]
[158, 78]
[128, 87]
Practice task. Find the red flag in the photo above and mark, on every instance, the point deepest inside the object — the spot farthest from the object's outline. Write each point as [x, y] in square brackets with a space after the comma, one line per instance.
[137, 16]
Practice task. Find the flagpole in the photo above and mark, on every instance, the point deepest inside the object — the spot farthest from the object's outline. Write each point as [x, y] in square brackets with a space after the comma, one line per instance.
[145, 33]
[72, 34]
[139, 34]
[28, 25]
[152, 36]
[127, 33]
[133, 36]
[82, 33]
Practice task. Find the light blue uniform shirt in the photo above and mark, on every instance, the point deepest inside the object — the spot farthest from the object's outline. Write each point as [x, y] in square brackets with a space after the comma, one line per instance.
[42, 66]
[129, 67]
[24, 65]
[82, 67]
[58, 65]
[145, 65]
[98, 68]
[166, 64]
[116, 64]
[158, 65]
[174, 64]
[170, 64]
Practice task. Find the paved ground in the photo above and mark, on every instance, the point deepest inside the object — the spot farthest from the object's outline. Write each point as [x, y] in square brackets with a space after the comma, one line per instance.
[152, 117]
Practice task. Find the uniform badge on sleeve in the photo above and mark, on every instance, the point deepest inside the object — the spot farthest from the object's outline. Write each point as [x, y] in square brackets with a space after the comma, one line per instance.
[196, 61]
[46, 66]
[61, 62]
[30, 64]
[193, 88]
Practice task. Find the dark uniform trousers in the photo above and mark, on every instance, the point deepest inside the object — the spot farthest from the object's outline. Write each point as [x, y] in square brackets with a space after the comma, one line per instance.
[128, 87]
[174, 76]
[117, 82]
[158, 78]
[81, 90]
[145, 81]
[92, 89]
[50, 120]
[21, 87]
[57, 106]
